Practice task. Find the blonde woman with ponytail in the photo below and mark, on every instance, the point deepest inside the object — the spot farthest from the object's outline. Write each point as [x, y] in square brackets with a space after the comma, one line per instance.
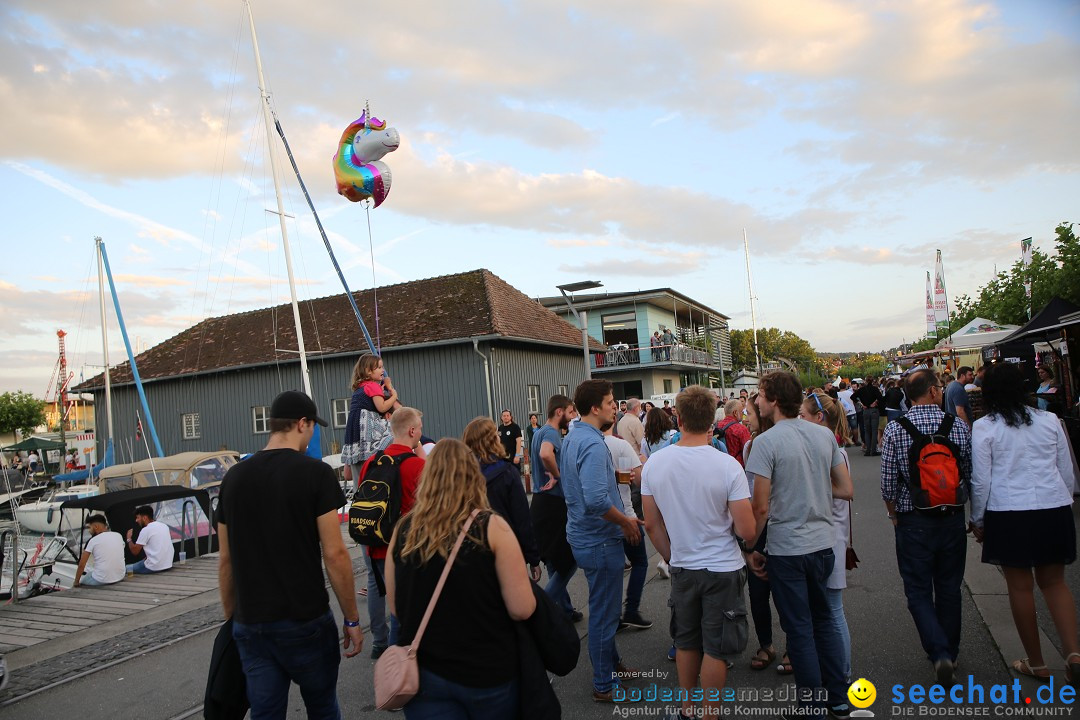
[468, 658]
[821, 409]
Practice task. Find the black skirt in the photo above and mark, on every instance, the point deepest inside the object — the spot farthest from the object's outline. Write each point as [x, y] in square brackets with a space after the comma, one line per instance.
[1027, 538]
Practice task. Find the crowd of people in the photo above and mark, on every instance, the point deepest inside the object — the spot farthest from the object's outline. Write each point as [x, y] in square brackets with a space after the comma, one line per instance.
[747, 501]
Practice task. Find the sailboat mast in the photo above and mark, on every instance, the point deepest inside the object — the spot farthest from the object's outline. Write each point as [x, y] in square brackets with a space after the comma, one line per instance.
[753, 314]
[104, 342]
[265, 98]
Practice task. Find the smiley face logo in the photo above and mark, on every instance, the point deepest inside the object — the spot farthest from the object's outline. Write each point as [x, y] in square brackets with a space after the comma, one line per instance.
[862, 693]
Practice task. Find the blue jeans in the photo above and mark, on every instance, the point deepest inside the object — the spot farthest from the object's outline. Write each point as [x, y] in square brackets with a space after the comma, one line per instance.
[836, 607]
[88, 581]
[376, 605]
[931, 552]
[140, 568]
[603, 567]
[639, 571]
[556, 587]
[759, 608]
[802, 601]
[442, 699]
[275, 653]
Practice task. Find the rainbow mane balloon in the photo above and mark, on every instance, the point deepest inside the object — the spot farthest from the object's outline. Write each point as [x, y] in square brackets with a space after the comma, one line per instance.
[357, 168]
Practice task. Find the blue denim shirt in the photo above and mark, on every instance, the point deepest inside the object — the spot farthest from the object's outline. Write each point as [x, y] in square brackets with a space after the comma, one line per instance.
[588, 482]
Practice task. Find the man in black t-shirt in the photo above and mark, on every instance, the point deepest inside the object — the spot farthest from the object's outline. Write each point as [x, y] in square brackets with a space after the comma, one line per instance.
[278, 524]
[510, 435]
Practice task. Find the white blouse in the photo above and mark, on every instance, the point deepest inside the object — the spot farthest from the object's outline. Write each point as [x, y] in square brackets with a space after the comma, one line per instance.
[1019, 468]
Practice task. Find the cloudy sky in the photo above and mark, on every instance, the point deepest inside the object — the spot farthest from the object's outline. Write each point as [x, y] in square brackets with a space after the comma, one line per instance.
[627, 142]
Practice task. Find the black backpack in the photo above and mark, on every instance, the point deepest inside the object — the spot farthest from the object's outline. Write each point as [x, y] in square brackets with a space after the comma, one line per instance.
[376, 506]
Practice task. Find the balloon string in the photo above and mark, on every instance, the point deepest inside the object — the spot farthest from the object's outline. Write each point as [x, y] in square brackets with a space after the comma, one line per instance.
[374, 286]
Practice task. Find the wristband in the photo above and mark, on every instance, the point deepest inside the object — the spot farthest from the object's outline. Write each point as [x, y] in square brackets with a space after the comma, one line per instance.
[351, 623]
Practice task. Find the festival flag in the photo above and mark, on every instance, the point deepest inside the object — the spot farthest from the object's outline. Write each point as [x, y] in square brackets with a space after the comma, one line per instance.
[138, 427]
[931, 319]
[941, 307]
[1025, 255]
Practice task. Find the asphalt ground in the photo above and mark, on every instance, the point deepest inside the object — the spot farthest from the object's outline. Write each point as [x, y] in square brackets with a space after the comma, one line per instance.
[169, 682]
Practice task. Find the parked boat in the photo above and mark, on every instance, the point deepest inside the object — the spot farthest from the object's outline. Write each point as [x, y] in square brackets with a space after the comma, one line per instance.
[198, 470]
[44, 515]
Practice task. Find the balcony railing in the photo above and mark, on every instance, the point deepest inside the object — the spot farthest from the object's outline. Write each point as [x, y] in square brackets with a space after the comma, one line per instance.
[621, 355]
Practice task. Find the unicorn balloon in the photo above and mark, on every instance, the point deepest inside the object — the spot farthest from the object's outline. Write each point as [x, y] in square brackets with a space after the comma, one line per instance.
[357, 167]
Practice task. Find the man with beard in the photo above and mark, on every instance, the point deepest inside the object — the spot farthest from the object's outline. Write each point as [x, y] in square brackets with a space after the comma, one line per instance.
[548, 508]
[596, 527]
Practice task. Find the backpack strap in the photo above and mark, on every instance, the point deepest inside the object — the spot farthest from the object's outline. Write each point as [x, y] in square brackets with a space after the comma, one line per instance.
[946, 426]
[910, 427]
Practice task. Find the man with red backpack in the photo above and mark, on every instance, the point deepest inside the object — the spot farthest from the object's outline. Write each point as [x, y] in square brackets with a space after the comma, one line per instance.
[731, 429]
[925, 483]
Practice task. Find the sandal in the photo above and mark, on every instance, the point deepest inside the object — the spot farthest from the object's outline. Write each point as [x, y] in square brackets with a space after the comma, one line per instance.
[762, 659]
[785, 668]
[1072, 669]
[1026, 668]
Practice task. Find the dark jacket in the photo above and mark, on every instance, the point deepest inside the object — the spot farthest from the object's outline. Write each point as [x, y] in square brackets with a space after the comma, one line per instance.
[226, 687]
[547, 641]
[506, 495]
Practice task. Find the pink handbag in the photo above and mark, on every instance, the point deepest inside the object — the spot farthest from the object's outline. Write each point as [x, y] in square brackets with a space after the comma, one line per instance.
[397, 674]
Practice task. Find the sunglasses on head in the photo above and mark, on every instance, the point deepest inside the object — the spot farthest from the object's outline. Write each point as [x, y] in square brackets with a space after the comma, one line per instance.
[814, 395]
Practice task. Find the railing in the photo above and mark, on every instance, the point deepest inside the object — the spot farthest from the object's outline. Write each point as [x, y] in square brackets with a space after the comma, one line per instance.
[622, 355]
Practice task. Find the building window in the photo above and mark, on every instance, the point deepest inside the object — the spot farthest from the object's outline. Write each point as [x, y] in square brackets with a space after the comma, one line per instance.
[341, 412]
[620, 328]
[564, 390]
[667, 387]
[192, 426]
[534, 398]
[260, 415]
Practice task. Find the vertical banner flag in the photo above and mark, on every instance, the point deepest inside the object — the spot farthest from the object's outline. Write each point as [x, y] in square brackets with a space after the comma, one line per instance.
[931, 320]
[941, 308]
[1025, 255]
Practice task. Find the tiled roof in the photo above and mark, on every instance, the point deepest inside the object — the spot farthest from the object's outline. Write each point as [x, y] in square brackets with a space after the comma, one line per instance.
[441, 309]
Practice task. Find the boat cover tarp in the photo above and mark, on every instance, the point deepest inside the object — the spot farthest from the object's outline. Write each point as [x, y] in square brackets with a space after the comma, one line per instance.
[80, 475]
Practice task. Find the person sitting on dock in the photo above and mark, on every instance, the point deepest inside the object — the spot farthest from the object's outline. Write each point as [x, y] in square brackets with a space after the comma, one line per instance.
[106, 547]
[155, 541]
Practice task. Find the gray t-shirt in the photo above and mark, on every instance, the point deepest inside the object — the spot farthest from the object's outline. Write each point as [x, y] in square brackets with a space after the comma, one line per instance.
[797, 456]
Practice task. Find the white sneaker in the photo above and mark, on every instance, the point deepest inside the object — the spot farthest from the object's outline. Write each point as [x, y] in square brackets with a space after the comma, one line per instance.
[663, 569]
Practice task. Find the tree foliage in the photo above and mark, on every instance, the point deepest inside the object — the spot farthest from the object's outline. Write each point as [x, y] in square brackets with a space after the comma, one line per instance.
[20, 411]
[1004, 300]
[773, 344]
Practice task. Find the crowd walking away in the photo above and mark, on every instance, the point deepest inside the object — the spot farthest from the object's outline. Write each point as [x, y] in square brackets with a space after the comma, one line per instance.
[747, 501]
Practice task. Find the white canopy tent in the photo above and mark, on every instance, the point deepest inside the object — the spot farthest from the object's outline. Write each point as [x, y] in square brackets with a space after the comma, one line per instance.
[978, 333]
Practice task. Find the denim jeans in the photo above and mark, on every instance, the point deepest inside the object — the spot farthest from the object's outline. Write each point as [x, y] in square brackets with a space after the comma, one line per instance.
[275, 653]
[446, 700]
[639, 571]
[89, 581]
[931, 552]
[376, 605]
[836, 606]
[870, 417]
[802, 601]
[603, 567]
[139, 568]
[556, 587]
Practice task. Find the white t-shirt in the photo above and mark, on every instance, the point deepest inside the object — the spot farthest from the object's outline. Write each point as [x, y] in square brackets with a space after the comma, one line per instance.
[846, 402]
[622, 449]
[692, 487]
[107, 555]
[156, 541]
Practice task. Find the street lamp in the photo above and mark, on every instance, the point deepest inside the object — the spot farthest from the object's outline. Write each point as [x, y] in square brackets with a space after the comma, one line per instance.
[582, 317]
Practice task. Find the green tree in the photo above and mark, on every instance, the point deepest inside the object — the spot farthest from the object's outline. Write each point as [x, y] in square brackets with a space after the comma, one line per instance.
[1004, 299]
[20, 411]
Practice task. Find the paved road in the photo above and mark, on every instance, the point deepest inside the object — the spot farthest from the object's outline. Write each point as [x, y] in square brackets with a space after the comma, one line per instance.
[885, 649]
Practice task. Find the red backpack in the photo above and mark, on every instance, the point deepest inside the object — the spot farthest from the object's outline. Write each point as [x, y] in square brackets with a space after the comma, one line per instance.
[934, 468]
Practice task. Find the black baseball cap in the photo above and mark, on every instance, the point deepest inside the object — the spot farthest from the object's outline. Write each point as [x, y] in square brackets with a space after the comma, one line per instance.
[293, 405]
